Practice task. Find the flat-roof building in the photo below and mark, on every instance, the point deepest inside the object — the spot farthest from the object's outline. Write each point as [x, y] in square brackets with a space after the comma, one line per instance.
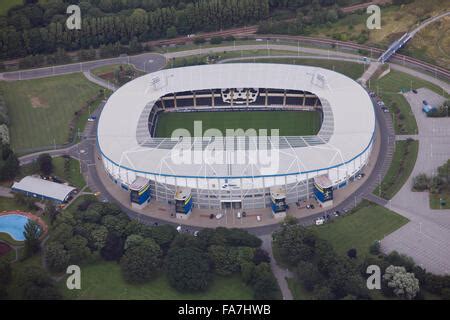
[43, 189]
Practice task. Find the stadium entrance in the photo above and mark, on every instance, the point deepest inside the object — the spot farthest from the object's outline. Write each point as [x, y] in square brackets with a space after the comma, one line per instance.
[231, 204]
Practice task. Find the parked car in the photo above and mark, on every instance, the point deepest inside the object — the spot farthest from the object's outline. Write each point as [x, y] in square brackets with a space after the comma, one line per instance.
[219, 216]
[414, 91]
[319, 221]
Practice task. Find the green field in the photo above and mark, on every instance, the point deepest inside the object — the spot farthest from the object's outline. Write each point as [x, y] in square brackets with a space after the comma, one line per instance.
[5, 5]
[41, 110]
[403, 161]
[360, 229]
[389, 88]
[8, 204]
[72, 175]
[290, 123]
[104, 281]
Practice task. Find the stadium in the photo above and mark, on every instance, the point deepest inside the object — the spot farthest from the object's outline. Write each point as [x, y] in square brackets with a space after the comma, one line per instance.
[326, 132]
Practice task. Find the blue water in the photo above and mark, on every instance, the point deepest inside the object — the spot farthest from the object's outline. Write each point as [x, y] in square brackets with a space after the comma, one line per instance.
[13, 224]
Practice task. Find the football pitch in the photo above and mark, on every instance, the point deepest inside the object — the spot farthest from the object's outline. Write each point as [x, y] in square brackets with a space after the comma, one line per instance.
[289, 123]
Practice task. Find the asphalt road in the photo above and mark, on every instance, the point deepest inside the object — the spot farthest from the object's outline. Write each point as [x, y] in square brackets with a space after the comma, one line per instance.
[147, 62]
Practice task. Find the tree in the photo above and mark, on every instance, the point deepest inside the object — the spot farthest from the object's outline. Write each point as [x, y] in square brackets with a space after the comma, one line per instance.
[51, 212]
[260, 255]
[295, 243]
[223, 260]
[308, 275]
[36, 284]
[322, 293]
[78, 249]
[402, 283]
[375, 247]
[9, 164]
[45, 164]
[113, 249]
[188, 269]
[133, 240]
[32, 233]
[352, 253]
[264, 284]
[398, 259]
[56, 257]
[5, 273]
[140, 262]
[171, 32]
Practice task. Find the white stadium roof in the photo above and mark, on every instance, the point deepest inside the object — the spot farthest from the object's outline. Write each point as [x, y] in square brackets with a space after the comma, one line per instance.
[352, 116]
[45, 188]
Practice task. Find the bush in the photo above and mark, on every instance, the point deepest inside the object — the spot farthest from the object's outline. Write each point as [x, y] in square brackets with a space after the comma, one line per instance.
[375, 247]
[113, 249]
[141, 262]
[45, 164]
[421, 182]
[5, 273]
[216, 40]
[56, 257]
[188, 269]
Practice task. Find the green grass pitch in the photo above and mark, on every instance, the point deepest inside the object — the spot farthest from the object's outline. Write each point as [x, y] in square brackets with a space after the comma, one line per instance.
[290, 123]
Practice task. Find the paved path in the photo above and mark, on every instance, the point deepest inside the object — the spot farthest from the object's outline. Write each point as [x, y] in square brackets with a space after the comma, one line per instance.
[147, 62]
[426, 237]
[373, 67]
[5, 192]
[280, 273]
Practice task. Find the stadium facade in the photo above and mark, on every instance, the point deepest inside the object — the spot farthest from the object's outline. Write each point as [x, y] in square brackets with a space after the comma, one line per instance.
[340, 150]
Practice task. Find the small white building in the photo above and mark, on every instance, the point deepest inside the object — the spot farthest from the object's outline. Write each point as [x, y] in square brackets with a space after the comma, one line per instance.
[43, 189]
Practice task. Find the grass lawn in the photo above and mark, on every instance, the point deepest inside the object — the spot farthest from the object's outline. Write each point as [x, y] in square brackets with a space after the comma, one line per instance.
[403, 161]
[104, 281]
[389, 89]
[74, 205]
[5, 237]
[360, 229]
[5, 5]
[350, 69]
[73, 174]
[298, 291]
[8, 204]
[290, 123]
[435, 202]
[41, 110]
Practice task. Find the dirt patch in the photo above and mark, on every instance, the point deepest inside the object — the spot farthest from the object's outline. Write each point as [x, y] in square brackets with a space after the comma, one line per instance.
[38, 102]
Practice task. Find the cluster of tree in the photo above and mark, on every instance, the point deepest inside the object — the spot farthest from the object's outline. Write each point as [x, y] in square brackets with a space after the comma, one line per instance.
[99, 230]
[436, 184]
[4, 121]
[9, 163]
[441, 111]
[35, 29]
[309, 15]
[318, 268]
[5, 278]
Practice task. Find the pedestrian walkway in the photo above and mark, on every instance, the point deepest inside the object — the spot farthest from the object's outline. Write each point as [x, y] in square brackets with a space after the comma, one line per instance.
[279, 272]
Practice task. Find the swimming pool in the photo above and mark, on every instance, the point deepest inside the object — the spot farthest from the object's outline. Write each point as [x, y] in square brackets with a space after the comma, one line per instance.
[13, 224]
